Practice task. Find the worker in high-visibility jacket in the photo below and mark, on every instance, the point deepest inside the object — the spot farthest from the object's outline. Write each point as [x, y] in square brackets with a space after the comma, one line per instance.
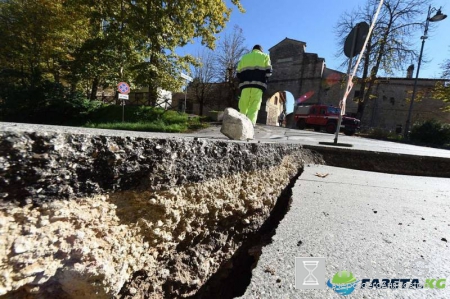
[253, 71]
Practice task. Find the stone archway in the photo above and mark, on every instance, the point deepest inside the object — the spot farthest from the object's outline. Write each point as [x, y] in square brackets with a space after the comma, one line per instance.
[277, 103]
[274, 106]
[303, 74]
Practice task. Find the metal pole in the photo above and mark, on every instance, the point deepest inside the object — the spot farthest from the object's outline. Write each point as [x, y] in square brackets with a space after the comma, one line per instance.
[293, 115]
[338, 127]
[184, 107]
[185, 93]
[123, 110]
[424, 37]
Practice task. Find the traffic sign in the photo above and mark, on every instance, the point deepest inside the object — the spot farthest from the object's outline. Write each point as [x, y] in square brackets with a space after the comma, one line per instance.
[123, 96]
[186, 77]
[356, 39]
[123, 87]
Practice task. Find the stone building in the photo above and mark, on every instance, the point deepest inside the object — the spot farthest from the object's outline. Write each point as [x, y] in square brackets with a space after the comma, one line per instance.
[216, 96]
[274, 106]
[306, 77]
[391, 99]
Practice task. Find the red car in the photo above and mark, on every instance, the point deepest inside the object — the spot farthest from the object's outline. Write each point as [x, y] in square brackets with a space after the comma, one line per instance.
[325, 117]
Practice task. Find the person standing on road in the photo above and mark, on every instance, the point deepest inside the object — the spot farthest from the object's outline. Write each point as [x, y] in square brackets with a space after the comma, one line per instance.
[253, 71]
[281, 118]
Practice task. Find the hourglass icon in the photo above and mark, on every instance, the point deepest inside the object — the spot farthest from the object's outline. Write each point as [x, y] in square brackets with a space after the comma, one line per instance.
[310, 279]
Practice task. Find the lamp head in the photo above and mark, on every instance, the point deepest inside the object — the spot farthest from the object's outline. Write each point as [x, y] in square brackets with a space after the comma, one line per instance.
[439, 16]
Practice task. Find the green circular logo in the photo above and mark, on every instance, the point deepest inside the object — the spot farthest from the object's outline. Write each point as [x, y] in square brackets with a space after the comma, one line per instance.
[343, 277]
[343, 282]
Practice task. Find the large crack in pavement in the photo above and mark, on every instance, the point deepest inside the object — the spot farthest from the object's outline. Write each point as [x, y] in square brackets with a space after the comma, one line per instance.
[177, 210]
[234, 276]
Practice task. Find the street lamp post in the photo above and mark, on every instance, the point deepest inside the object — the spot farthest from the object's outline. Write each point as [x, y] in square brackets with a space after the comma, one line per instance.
[436, 18]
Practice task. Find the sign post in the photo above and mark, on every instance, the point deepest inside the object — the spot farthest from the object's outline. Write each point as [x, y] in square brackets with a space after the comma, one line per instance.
[188, 79]
[352, 47]
[352, 43]
[123, 89]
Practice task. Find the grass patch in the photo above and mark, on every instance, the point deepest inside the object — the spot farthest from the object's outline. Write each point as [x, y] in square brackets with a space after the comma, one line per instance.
[144, 118]
[140, 126]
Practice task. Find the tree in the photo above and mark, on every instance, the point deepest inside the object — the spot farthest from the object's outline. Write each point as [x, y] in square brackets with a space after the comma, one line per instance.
[442, 89]
[159, 27]
[111, 52]
[230, 50]
[441, 92]
[106, 41]
[390, 47]
[204, 74]
[446, 69]
[38, 38]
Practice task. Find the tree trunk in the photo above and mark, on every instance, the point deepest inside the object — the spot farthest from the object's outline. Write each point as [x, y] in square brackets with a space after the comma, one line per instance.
[152, 96]
[361, 101]
[373, 73]
[201, 103]
[94, 89]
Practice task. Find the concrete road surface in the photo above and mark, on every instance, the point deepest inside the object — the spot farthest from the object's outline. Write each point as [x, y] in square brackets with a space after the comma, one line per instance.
[264, 133]
[375, 225]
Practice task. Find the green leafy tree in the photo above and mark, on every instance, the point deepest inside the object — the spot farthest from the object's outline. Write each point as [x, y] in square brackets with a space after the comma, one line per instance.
[442, 89]
[159, 27]
[38, 38]
[111, 52]
[441, 92]
[92, 43]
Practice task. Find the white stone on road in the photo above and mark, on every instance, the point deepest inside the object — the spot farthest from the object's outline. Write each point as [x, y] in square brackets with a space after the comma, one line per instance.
[236, 125]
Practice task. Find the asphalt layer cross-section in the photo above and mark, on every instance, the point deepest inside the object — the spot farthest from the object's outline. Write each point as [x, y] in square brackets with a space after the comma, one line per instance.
[263, 134]
[374, 225]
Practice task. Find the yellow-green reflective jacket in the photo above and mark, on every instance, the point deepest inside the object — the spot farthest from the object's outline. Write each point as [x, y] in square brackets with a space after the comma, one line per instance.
[253, 70]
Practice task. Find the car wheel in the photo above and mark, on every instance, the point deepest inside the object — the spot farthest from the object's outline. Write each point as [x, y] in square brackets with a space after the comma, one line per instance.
[330, 128]
[349, 132]
[301, 124]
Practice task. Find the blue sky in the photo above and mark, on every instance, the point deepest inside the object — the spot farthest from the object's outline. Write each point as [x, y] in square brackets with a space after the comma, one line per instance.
[267, 22]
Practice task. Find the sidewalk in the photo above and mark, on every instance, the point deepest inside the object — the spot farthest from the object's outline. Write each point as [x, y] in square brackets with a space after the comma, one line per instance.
[374, 225]
[272, 134]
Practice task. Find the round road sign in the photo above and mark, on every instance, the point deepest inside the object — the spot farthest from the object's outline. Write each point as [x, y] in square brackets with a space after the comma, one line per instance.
[123, 87]
[356, 38]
